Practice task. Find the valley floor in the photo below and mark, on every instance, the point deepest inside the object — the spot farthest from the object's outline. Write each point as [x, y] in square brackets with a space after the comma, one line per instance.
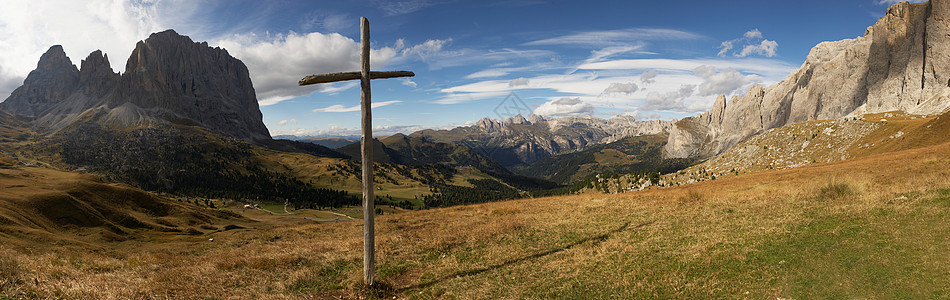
[871, 227]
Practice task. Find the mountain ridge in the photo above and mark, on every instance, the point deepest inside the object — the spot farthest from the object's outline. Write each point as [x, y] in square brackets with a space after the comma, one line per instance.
[901, 63]
[519, 141]
[168, 79]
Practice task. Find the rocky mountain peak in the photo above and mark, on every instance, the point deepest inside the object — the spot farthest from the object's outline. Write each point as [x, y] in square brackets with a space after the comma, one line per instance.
[899, 64]
[54, 79]
[518, 141]
[518, 120]
[95, 74]
[535, 119]
[489, 124]
[55, 59]
[171, 73]
[168, 78]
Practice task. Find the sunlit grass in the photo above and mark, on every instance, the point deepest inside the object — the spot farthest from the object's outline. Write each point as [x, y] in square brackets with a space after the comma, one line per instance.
[873, 227]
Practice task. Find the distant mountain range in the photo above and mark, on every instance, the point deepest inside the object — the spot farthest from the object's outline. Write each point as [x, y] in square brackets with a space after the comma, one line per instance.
[330, 142]
[519, 142]
[184, 117]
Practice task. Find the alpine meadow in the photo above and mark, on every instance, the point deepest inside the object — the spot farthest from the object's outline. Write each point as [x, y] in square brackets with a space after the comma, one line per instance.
[474, 150]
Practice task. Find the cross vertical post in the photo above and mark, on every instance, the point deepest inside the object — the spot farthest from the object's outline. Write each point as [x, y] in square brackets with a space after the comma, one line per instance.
[369, 233]
[366, 141]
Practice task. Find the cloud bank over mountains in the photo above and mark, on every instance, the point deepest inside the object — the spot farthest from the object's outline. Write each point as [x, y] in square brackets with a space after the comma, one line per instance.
[596, 72]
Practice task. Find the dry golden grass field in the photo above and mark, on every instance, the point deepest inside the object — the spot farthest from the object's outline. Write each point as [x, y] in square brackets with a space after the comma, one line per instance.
[870, 227]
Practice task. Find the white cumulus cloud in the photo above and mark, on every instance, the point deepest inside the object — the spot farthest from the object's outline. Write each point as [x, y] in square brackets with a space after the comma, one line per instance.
[648, 77]
[725, 81]
[277, 62]
[29, 28]
[518, 82]
[621, 88]
[752, 42]
[565, 107]
[753, 34]
[672, 100]
[408, 82]
[765, 48]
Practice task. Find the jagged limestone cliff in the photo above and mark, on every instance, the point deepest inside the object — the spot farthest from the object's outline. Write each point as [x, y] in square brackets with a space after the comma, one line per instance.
[168, 78]
[901, 63]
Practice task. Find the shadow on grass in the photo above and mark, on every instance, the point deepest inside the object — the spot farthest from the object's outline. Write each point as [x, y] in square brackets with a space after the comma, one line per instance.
[594, 240]
[380, 290]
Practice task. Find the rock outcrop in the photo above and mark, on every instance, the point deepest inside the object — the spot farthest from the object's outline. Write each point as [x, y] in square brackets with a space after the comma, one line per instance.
[901, 63]
[168, 79]
[54, 79]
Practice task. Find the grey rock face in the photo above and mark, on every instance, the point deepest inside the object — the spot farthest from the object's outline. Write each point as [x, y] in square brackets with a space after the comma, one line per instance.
[901, 63]
[168, 78]
[170, 73]
[54, 79]
[96, 76]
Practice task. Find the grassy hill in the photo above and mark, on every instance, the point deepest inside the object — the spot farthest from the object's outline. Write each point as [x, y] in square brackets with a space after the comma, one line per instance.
[459, 174]
[330, 142]
[869, 227]
[819, 141]
[41, 207]
[190, 161]
[417, 150]
[627, 155]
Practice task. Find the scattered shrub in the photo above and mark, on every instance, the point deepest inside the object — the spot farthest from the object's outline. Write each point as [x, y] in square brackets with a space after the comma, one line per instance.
[691, 197]
[836, 191]
[10, 270]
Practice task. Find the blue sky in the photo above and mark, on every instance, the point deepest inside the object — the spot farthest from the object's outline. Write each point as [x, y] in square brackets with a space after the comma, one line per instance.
[649, 59]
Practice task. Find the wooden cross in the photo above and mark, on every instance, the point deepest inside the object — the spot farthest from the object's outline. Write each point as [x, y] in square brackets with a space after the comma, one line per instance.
[366, 142]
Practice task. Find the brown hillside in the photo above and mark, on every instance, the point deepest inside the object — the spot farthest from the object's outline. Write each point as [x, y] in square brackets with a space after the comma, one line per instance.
[902, 132]
[42, 207]
[870, 227]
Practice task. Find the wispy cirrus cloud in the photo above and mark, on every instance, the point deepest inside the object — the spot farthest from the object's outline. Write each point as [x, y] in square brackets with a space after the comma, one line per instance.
[337, 108]
[331, 22]
[402, 7]
[615, 38]
[765, 67]
[609, 81]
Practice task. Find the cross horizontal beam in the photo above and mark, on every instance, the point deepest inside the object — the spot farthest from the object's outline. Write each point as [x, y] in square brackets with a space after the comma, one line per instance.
[344, 76]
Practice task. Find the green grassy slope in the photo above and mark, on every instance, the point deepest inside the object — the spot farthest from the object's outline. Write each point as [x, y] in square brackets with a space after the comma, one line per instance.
[625, 156]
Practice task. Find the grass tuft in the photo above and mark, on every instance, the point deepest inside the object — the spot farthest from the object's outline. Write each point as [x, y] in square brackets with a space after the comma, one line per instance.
[9, 267]
[692, 197]
[330, 276]
[10, 271]
[836, 191]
